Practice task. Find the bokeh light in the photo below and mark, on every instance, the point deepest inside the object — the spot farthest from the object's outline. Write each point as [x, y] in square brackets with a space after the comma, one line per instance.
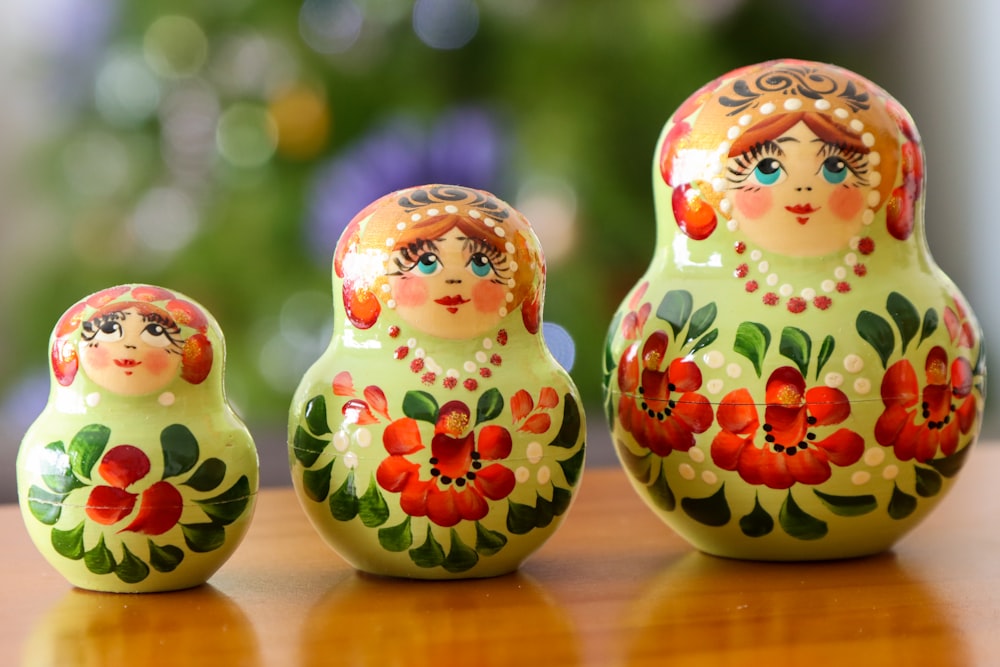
[295, 339]
[164, 221]
[445, 24]
[550, 205]
[252, 64]
[330, 26]
[96, 164]
[246, 135]
[175, 46]
[126, 92]
[302, 119]
[560, 344]
[189, 117]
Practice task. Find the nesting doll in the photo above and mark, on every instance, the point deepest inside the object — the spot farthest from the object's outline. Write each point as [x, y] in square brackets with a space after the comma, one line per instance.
[137, 476]
[437, 437]
[793, 377]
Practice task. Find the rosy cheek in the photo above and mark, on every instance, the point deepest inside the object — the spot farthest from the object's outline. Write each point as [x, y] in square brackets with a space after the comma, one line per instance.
[97, 357]
[847, 203]
[753, 203]
[157, 361]
[488, 297]
[410, 292]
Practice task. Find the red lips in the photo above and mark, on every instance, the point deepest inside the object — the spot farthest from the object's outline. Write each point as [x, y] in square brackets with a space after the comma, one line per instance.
[451, 303]
[127, 363]
[802, 212]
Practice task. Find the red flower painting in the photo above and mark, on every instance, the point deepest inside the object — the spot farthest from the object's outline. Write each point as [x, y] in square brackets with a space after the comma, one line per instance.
[462, 473]
[918, 422]
[659, 404]
[789, 447]
[160, 505]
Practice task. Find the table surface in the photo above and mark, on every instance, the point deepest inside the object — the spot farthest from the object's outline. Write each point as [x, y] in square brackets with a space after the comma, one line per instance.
[614, 586]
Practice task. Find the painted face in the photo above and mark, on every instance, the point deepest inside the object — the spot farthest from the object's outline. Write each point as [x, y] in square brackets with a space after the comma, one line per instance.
[798, 195]
[452, 287]
[129, 353]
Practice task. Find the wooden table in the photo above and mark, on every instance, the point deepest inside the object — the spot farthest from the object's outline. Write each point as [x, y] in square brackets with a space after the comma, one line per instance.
[613, 587]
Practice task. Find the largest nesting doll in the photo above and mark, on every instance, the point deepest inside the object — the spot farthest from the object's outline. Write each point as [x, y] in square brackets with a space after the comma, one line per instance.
[437, 437]
[793, 377]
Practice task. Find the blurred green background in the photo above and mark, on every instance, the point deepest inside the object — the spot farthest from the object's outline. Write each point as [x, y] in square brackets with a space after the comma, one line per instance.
[218, 148]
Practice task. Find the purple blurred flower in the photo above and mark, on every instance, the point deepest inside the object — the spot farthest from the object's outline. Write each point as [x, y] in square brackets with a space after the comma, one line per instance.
[463, 147]
[850, 20]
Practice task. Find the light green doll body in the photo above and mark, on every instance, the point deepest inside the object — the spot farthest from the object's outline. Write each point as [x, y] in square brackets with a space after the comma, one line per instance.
[437, 437]
[793, 378]
[137, 476]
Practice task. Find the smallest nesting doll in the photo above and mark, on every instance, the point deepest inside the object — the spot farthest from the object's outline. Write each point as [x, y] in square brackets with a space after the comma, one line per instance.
[137, 476]
[437, 437]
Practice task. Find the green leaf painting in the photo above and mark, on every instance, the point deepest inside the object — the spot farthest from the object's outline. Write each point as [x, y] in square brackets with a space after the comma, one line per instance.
[180, 450]
[229, 505]
[208, 475]
[675, 309]
[572, 423]
[86, 448]
[752, 341]
[421, 406]
[798, 523]
[877, 332]
[906, 317]
[489, 407]
[758, 522]
[315, 415]
[797, 346]
[398, 537]
[306, 447]
[701, 320]
[711, 511]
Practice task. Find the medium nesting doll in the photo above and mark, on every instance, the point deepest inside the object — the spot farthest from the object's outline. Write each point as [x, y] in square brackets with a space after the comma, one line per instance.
[793, 377]
[137, 476]
[437, 437]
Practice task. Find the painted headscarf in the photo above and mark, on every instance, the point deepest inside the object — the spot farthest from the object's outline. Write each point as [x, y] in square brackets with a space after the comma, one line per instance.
[189, 319]
[363, 253]
[760, 102]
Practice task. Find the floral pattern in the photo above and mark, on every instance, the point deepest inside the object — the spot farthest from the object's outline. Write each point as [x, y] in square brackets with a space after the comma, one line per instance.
[446, 465]
[660, 405]
[947, 407]
[794, 433]
[464, 469]
[156, 511]
[786, 449]
[161, 505]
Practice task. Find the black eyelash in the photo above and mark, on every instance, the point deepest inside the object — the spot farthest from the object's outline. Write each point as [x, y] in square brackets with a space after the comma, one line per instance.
[497, 257]
[748, 159]
[167, 323]
[93, 325]
[410, 254]
[856, 161]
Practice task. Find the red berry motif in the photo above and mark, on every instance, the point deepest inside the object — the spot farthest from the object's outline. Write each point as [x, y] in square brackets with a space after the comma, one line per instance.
[107, 505]
[123, 465]
[159, 510]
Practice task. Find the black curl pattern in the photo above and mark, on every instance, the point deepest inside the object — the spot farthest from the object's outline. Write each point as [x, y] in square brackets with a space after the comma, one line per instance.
[801, 81]
[451, 194]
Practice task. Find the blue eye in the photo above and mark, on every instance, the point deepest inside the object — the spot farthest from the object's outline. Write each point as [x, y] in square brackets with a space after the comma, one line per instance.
[480, 265]
[428, 264]
[767, 171]
[834, 170]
